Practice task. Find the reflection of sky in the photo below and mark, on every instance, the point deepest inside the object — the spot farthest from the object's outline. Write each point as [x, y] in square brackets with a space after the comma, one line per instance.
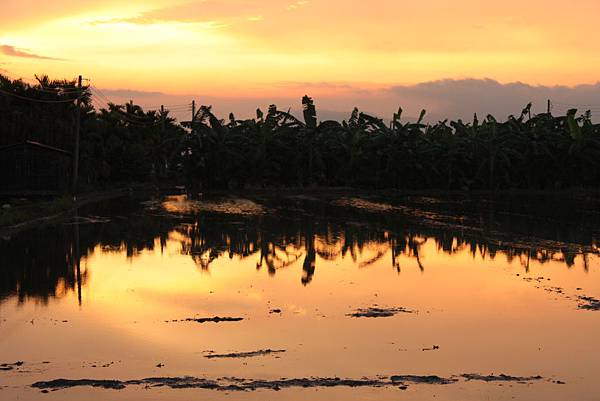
[483, 316]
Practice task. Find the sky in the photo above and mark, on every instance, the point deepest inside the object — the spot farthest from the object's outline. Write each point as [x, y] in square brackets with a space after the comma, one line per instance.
[451, 57]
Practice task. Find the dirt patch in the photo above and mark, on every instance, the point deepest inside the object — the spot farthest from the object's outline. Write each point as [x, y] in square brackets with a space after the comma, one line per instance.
[376, 311]
[251, 354]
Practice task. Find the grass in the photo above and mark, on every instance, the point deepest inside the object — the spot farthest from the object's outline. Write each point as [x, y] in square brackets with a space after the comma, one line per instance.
[23, 211]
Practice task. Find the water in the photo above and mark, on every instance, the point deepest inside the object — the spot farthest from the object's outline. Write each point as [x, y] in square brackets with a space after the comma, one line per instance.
[481, 285]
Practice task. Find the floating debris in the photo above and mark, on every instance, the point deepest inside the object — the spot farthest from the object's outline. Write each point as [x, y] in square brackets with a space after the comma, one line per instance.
[376, 311]
[251, 354]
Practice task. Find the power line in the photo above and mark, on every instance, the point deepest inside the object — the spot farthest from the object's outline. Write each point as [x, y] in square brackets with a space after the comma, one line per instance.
[100, 94]
[38, 100]
[127, 117]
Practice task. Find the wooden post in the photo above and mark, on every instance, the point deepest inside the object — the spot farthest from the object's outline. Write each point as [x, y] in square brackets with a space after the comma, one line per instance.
[76, 147]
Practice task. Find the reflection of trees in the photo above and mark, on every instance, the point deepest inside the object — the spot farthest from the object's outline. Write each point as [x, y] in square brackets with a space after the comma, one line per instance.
[44, 263]
[40, 266]
[284, 240]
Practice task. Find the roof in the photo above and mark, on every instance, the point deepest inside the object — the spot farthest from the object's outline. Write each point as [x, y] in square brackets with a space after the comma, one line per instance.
[35, 145]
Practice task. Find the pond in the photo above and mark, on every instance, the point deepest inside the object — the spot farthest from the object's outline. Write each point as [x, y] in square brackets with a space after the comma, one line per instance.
[324, 296]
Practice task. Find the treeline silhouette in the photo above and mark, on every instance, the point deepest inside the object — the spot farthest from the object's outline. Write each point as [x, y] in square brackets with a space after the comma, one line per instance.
[276, 149]
[45, 263]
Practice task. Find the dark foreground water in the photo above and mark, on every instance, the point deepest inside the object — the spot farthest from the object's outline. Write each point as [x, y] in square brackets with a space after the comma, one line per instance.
[336, 296]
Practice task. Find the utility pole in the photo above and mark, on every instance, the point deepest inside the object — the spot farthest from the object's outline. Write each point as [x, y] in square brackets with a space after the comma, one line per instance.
[549, 106]
[77, 129]
[193, 114]
[162, 119]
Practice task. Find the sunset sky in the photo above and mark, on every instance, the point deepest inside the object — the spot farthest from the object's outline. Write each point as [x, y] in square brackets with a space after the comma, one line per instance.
[376, 54]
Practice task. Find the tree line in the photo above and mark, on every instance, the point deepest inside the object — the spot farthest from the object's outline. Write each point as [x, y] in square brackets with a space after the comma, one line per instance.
[124, 143]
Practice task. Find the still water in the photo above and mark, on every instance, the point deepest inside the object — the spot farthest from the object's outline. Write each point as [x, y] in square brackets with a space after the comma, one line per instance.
[337, 296]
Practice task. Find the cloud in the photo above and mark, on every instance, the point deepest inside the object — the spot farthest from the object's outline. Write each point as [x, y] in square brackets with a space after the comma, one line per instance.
[297, 5]
[130, 93]
[16, 52]
[450, 98]
[213, 12]
[316, 85]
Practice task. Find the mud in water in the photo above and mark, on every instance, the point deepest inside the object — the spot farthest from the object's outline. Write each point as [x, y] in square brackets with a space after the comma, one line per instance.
[239, 384]
[583, 302]
[376, 311]
[500, 378]
[215, 319]
[250, 354]
[228, 206]
[589, 303]
[11, 366]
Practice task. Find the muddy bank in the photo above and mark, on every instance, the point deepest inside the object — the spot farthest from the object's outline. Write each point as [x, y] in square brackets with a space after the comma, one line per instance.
[239, 384]
[38, 213]
[250, 354]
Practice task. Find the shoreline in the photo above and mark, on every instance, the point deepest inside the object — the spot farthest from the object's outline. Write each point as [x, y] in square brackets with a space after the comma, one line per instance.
[46, 211]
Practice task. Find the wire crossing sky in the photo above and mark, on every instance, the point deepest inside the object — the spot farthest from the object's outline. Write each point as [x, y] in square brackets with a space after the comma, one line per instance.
[333, 49]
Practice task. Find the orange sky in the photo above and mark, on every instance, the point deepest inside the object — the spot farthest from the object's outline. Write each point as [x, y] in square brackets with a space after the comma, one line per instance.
[250, 48]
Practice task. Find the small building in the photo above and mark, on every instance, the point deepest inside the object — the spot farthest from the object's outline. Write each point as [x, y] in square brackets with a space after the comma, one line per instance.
[32, 168]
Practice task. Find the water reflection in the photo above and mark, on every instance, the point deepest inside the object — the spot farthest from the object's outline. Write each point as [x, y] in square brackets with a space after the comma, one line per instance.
[46, 263]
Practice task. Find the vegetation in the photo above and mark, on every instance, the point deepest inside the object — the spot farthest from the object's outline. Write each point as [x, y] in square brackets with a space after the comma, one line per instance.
[19, 211]
[275, 149]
